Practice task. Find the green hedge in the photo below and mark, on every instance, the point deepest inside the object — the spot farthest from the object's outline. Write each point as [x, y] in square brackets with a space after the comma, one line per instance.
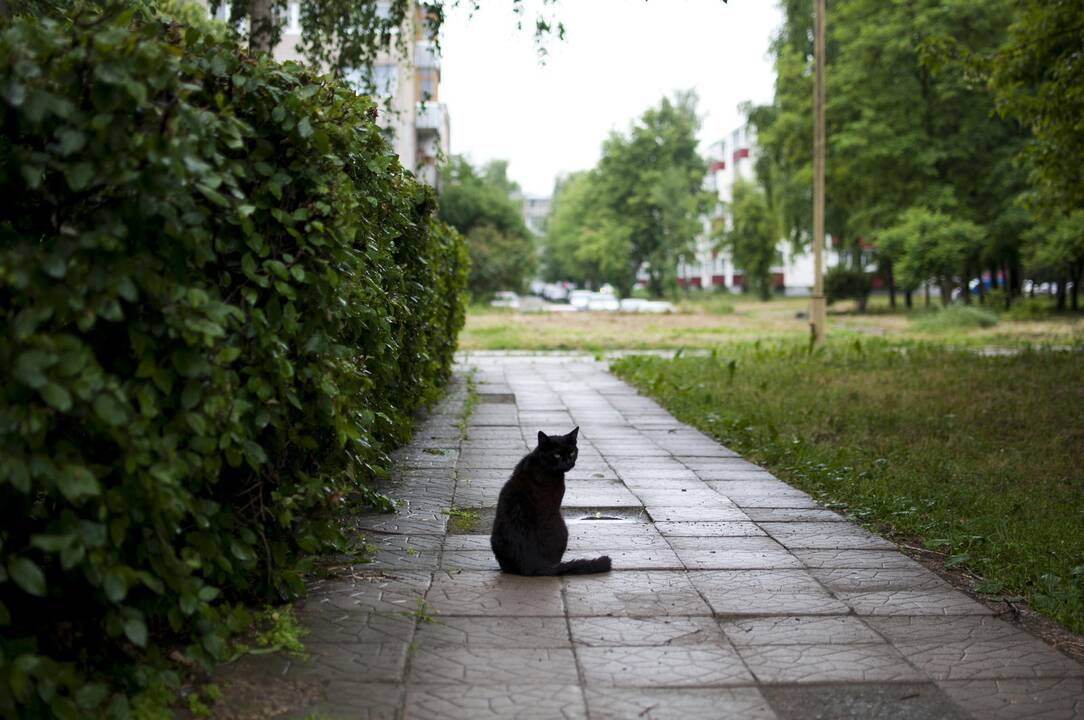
[222, 302]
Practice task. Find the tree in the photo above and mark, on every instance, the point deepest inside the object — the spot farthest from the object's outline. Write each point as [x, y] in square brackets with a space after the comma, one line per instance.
[343, 35]
[1035, 77]
[480, 205]
[584, 243]
[1056, 245]
[936, 246]
[650, 181]
[497, 261]
[639, 209]
[753, 238]
[847, 283]
[907, 126]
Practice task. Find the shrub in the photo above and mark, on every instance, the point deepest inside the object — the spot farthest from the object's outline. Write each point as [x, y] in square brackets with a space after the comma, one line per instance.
[845, 283]
[1027, 308]
[956, 317]
[223, 301]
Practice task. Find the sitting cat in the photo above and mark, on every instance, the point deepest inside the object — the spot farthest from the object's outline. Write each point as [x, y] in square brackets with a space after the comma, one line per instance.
[529, 535]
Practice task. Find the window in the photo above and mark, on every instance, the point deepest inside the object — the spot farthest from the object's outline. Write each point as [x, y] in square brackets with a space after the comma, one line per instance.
[427, 87]
[293, 21]
[383, 80]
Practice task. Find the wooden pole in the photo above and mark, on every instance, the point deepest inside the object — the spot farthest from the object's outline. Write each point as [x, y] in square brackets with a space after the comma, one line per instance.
[818, 314]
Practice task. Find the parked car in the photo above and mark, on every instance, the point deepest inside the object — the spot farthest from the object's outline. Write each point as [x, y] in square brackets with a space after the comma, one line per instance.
[603, 302]
[506, 299]
[555, 292]
[580, 299]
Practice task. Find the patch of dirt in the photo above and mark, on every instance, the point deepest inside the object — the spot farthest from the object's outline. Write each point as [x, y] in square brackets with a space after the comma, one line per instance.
[263, 698]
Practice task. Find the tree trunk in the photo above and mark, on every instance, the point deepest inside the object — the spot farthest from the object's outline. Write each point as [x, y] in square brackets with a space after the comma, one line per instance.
[260, 23]
[1077, 272]
[965, 287]
[946, 291]
[982, 290]
[907, 299]
[926, 291]
[1006, 286]
[891, 286]
[1061, 292]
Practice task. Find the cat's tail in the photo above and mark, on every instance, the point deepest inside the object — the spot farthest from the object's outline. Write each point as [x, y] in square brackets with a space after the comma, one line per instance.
[584, 567]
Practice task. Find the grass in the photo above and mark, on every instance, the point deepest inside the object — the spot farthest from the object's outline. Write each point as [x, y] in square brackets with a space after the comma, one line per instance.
[469, 403]
[460, 520]
[712, 320]
[977, 457]
[423, 613]
[956, 318]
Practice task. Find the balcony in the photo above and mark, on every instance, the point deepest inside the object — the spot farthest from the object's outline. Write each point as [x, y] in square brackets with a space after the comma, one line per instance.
[431, 117]
[426, 56]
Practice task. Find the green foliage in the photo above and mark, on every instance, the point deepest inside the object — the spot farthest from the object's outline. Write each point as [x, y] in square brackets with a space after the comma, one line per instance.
[343, 35]
[461, 521]
[650, 182]
[935, 246]
[481, 206]
[223, 301]
[278, 630]
[845, 283]
[1056, 247]
[585, 242]
[753, 238]
[497, 261]
[906, 127]
[1030, 309]
[1035, 77]
[640, 208]
[956, 317]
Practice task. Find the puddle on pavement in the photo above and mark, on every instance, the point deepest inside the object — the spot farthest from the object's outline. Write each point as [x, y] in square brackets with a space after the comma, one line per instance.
[479, 521]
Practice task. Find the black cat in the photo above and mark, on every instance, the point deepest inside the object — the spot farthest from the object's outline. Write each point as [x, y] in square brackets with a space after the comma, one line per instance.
[529, 535]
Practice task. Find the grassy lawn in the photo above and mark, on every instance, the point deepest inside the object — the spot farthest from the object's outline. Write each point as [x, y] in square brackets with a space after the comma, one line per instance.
[981, 458]
[714, 320]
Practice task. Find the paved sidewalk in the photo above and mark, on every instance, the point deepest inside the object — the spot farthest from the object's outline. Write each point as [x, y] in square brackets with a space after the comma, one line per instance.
[733, 595]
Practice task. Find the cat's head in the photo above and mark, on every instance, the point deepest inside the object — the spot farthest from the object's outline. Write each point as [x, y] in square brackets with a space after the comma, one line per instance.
[558, 452]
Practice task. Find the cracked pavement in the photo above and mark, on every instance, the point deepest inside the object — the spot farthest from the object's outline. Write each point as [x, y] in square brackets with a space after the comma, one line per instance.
[733, 595]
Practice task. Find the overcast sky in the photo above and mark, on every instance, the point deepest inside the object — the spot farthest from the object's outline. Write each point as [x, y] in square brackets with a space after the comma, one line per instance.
[619, 58]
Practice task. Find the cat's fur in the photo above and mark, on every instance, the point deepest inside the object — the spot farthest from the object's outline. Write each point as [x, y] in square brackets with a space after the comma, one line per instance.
[529, 535]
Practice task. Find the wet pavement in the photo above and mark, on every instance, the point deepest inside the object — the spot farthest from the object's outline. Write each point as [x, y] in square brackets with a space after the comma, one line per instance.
[733, 595]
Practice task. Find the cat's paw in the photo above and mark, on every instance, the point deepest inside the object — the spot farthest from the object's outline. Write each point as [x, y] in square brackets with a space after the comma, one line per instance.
[605, 564]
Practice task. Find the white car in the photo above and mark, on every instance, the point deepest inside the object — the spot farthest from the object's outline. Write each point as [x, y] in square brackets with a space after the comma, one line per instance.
[580, 299]
[657, 306]
[603, 302]
[505, 299]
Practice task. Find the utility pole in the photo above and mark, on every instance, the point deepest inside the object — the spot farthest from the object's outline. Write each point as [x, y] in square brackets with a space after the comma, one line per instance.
[818, 314]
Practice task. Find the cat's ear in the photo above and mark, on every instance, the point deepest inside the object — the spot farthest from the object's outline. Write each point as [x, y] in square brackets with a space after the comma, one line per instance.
[572, 435]
[542, 438]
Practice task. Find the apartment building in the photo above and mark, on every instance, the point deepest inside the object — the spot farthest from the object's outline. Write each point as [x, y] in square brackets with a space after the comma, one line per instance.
[406, 83]
[536, 211]
[732, 160]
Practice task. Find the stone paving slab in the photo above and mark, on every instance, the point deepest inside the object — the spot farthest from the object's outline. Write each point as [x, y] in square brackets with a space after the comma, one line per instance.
[733, 595]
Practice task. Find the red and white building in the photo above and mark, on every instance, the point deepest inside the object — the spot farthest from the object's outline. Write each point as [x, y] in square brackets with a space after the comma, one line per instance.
[729, 161]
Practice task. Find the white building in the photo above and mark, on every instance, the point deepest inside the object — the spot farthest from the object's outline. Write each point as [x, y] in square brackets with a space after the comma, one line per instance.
[536, 210]
[731, 160]
[406, 83]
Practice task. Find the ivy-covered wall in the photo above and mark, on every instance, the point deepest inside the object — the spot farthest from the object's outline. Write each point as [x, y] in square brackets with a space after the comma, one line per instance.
[221, 303]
